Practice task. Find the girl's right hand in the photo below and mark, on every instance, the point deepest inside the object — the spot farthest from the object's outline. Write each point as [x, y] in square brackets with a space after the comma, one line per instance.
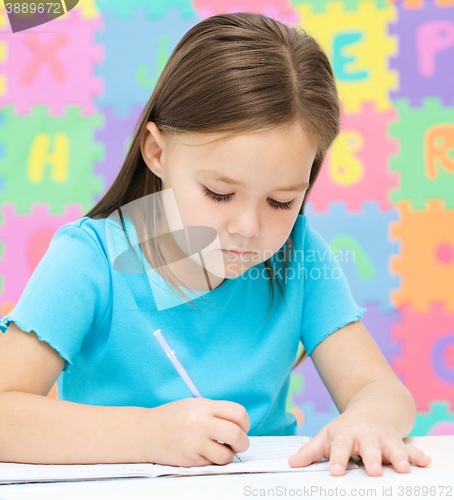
[185, 432]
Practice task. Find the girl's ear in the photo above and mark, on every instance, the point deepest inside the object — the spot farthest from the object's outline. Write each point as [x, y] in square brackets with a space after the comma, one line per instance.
[151, 147]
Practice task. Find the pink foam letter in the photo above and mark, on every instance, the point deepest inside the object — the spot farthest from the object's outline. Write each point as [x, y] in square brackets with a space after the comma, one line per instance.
[432, 37]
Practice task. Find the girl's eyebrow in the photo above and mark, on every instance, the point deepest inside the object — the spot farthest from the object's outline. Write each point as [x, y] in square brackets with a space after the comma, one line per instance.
[214, 175]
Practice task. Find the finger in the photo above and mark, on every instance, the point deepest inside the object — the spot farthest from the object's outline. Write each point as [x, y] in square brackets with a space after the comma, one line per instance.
[417, 457]
[371, 454]
[217, 453]
[340, 453]
[395, 452]
[230, 434]
[233, 412]
[310, 452]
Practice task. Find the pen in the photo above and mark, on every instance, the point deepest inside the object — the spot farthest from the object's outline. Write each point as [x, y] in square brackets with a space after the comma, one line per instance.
[159, 336]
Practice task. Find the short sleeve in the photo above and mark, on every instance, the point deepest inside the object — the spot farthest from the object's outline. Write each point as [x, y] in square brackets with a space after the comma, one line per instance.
[328, 303]
[67, 295]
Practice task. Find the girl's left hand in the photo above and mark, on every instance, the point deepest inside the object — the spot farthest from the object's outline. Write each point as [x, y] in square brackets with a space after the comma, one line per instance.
[375, 441]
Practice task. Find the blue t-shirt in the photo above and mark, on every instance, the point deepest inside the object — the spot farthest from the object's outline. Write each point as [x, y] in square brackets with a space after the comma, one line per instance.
[101, 321]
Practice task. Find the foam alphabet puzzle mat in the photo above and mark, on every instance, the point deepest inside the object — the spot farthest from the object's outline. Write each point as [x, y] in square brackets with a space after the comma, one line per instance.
[72, 92]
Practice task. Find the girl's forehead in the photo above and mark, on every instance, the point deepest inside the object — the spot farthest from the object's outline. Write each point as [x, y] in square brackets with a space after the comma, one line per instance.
[288, 137]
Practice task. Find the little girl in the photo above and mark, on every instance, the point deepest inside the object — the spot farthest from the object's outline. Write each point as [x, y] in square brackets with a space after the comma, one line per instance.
[203, 227]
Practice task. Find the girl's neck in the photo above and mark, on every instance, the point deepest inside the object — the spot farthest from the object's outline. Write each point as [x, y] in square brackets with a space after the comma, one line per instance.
[190, 273]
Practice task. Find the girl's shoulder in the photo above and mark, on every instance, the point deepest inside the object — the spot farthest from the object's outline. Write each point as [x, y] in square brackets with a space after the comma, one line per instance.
[93, 227]
[107, 236]
[85, 234]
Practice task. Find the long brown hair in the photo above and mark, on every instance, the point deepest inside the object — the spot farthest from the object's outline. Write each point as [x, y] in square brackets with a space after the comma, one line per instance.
[233, 74]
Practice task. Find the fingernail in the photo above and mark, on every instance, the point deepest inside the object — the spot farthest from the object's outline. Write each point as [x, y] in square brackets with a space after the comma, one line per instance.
[337, 468]
[376, 465]
[401, 463]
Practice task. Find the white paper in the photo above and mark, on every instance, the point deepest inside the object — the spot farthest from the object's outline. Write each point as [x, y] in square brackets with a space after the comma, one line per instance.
[265, 454]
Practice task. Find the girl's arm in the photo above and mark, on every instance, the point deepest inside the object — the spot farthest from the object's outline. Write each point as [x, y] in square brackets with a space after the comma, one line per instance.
[36, 429]
[377, 410]
[40, 430]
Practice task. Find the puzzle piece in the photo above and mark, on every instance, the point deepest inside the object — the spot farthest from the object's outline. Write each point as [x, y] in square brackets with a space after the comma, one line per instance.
[3, 51]
[281, 10]
[295, 387]
[131, 74]
[361, 240]
[125, 10]
[379, 324]
[54, 69]
[358, 46]
[426, 168]
[314, 390]
[426, 53]
[439, 421]
[419, 4]
[2, 151]
[426, 366]
[426, 260]
[355, 167]
[320, 5]
[116, 136]
[25, 239]
[314, 421]
[89, 9]
[53, 159]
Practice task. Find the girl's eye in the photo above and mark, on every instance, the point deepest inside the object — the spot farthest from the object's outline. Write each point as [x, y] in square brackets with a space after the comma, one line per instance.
[216, 196]
[227, 197]
[283, 206]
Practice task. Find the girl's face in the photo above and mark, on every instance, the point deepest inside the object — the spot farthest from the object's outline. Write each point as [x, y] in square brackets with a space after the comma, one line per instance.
[249, 188]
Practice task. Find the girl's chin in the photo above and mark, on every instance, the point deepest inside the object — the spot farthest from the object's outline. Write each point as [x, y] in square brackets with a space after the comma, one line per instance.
[228, 269]
[235, 270]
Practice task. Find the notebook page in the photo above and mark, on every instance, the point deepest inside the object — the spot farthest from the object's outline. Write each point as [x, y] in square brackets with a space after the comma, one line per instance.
[12, 473]
[265, 454]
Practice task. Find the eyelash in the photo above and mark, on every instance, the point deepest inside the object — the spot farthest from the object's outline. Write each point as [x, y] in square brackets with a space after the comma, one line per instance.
[226, 197]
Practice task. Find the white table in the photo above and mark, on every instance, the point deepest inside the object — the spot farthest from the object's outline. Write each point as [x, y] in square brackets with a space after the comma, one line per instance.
[439, 474]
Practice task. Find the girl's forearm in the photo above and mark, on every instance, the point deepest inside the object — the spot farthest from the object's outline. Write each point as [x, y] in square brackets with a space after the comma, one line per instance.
[386, 400]
[39, 430]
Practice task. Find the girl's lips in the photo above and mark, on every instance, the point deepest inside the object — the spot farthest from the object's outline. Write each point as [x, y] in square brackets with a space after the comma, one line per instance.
[232, 252]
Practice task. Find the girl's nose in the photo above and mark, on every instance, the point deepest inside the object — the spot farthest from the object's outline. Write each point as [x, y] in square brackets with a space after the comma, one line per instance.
[246, 223]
